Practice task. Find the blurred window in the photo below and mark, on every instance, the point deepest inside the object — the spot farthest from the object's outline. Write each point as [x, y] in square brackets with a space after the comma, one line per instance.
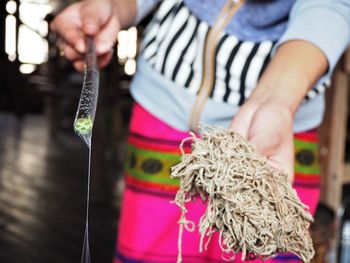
[31, 47]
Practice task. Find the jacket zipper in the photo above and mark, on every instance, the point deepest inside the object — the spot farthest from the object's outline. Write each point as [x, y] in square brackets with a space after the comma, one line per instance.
[208, 73]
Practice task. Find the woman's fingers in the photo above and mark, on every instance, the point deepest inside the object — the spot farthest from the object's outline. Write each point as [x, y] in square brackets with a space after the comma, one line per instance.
[269, 127]
[284, 160]
[99, 21]
[68, 26]
[79, 65]
[69, 52]
[95, 15]
[105, 59]
[95, 18]
[73, 55]
[74, 38]
[102, 61]
[107, 37]
[242, 121]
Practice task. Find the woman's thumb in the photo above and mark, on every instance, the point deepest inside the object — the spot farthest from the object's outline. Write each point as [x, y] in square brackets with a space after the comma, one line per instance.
[94, 15]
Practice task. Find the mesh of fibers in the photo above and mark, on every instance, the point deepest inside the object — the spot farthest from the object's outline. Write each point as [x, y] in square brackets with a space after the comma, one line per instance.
[252, 206]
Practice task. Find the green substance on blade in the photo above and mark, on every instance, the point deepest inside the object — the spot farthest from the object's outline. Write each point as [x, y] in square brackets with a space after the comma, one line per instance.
[83, 125]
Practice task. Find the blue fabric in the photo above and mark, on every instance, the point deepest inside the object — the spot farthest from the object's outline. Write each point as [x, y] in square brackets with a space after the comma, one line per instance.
[324, 23]
[256, 20]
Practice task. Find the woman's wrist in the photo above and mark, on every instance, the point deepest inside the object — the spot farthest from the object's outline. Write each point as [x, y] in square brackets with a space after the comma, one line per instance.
[280, 93]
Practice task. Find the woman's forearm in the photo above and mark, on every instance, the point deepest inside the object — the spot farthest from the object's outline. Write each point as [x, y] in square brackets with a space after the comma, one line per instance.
[294, 69]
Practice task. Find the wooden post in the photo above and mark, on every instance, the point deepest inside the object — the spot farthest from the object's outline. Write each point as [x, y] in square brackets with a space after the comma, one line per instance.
[333, 135]
[347, 61]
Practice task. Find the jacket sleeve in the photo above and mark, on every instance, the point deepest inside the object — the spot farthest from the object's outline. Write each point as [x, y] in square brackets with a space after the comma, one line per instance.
[143, 9]
[324, 23]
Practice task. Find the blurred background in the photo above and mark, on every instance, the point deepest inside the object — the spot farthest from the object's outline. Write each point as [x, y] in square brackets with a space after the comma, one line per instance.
[43, 164]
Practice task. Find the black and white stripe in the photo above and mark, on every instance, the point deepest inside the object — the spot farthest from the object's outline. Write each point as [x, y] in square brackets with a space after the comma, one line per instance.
[318, 89]
[236, 71]
[177, 53]
[156, 34]
[187, 43]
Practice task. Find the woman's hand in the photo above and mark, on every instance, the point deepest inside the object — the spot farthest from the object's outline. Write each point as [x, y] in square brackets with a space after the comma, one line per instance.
[266, 119]
[97, 18]
[268, 125]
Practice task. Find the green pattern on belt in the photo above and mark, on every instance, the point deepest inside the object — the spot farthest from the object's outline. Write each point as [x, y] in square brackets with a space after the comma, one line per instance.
[306, 157]
[151, 166]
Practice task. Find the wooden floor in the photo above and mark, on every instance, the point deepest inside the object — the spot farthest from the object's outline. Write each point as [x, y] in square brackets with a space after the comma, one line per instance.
[43, 195]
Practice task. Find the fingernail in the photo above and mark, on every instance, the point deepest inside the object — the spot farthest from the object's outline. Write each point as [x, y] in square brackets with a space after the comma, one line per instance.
[90, 28]
[104, 48]
[80, 46]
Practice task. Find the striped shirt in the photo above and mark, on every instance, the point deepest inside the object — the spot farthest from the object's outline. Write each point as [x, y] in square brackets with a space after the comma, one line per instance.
[175, 54]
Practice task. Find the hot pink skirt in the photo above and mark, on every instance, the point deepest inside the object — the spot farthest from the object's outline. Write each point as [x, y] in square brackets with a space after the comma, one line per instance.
[148, 229]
